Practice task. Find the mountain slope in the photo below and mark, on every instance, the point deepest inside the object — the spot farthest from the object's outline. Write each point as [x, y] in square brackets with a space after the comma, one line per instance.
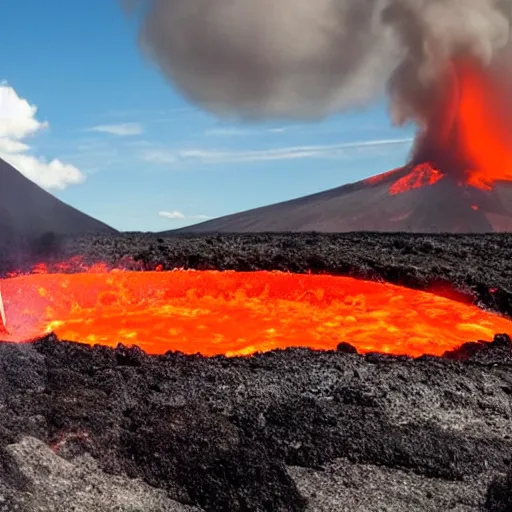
[404, 200]
[28, 211]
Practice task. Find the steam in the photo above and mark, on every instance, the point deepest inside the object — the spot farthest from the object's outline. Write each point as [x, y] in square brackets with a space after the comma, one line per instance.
[308, 59]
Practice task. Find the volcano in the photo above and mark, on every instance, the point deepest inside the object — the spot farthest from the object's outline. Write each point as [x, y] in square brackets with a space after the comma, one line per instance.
[428, 204]
[459, 179]
[27, 211]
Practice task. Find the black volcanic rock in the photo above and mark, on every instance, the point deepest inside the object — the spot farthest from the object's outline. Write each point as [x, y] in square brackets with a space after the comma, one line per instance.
[290, 430]
[27, 212]
[94, 428]
[444, 206]
[499, 494]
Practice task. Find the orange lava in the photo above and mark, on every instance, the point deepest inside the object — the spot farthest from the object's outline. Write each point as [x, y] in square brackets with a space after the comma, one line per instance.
[467, 132]
[420, 176]
[235, 313]
[485, 126]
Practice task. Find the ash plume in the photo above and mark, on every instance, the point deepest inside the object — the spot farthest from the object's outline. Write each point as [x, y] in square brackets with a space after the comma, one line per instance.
[308, 59]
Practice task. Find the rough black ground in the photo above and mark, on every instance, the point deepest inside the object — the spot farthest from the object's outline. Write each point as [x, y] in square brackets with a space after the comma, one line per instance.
[102, 429]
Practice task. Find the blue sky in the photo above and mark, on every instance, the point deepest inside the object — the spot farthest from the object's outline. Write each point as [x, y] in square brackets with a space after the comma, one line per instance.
[139, 156]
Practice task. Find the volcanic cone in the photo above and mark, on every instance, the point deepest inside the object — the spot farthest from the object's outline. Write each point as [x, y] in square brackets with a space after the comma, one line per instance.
[27, 211]
[459, 178]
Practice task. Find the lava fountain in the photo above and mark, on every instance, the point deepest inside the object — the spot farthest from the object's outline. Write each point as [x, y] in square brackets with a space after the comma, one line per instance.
[239, 313]
[465, 131]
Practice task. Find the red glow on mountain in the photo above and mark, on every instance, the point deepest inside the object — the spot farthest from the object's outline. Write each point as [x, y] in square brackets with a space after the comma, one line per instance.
[420, 176]
[467, 135]
[458, 180]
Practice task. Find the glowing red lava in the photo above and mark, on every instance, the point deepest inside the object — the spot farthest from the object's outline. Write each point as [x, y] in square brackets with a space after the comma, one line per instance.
[485, 126]
[421, 176]
[237, 313]
[468, 133]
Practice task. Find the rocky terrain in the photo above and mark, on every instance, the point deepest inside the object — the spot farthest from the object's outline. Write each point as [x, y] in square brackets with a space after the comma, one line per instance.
[90, 429]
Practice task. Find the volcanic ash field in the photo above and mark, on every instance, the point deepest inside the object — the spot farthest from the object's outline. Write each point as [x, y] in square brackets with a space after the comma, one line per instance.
[339, 429]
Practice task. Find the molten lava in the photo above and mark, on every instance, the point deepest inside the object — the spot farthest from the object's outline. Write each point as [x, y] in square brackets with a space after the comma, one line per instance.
[236, 313]
[421, 176]
[467, 134]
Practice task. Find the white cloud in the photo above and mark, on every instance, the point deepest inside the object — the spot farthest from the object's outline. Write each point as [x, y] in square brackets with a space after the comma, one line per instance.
[17, 122]
[48, 174]
[177, 215]
[12, 146]
[121, 130]
[17, 116]
[165, 156]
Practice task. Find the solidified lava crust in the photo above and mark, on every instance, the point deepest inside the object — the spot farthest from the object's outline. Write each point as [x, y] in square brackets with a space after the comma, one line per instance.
[288, 430]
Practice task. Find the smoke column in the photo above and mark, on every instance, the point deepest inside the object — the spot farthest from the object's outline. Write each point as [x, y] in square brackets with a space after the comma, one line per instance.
[307, 59]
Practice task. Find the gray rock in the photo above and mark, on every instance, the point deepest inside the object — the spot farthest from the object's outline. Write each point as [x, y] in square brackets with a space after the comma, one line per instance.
[49, 483]
[346, 487]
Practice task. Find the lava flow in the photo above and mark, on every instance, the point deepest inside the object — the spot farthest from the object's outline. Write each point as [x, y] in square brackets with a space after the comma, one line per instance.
[237, 313]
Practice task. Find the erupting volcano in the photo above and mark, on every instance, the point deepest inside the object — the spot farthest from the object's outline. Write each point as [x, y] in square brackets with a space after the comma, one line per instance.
[452, 81]
[468, 134]
[237, 313]
[459, 178]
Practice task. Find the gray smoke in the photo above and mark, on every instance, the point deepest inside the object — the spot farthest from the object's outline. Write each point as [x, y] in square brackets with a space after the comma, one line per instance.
[310, 58]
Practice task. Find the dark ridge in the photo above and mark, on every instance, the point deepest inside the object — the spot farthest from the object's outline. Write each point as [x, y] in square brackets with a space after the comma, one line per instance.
[500, 350]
